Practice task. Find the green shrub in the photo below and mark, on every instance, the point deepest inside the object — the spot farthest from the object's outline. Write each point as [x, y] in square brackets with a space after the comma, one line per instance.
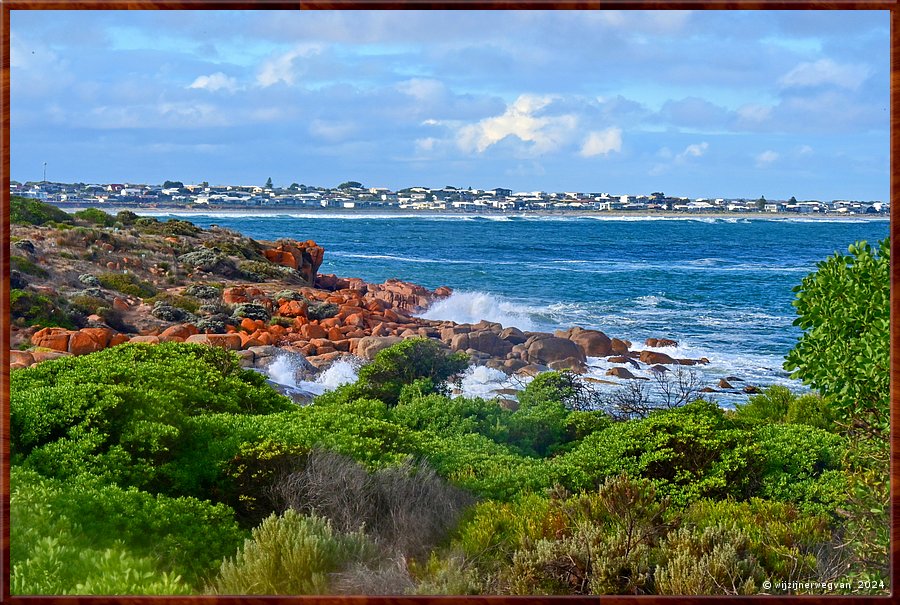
[321, 310]
[127, 283]
[88, 304]
[811, 410]
[123, 413]
[20, 263]
[95, 216]
[260, 270]
[715, 561]
[202, 291]
[459, 415]
[51, 554]
[251, 311]
[770, 406]
[186, 303]
[690, 452]
[30, 309]
[415, 359]
[126, 217]
[190, 538]
[290, 555]
[843, 309]
[24, 211]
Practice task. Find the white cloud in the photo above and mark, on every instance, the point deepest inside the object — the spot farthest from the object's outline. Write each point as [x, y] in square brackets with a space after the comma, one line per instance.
[692, 151]
[214, 82]
[330, 131]
[602, 142]
[754, 112]
[545, 132]
[425, 145]
[422, 89]
[281, 67]
[805, 150]
[825, 71]
[766, 158]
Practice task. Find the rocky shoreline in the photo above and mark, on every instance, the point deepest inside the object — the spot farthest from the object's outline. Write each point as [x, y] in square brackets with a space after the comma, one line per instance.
[316, 318]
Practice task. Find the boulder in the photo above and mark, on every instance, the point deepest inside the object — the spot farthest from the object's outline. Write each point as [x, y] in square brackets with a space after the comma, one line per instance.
[513, 335]
[619, 347]
[369, 346]
[724, 384]
[544, 348]
[52, 338]
[82, 343]
[23, 357]
[40, 356]
[148, 339]
[232, 342]
[573, 365]
[485, 341]
[180, 331]
[660, 342]
[619, 372]
[594, 343]
[304, 257]
[654, 358]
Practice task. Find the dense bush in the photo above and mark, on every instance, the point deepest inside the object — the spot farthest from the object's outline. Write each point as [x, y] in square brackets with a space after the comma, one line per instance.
[122, 413]
[30, 309]
[20, 263]
[321, 310]
[844, 311]
[261, 270]
[127, 283]
[416, 361]
[251, 311]
[24, 211]
[95, 216]
[203, 291]
[290, 554]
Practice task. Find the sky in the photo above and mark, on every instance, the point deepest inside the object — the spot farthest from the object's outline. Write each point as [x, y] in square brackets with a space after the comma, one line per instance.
[696, 104]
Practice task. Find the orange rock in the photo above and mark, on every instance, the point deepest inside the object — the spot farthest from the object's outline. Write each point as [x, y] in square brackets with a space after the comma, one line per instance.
[181, 331]
[230, 329]
[299, 322]
[310, 331]
[101, 335]
[248, 324]
[390, 315]
[149, 339]
[40, 356]
[120, 304]
[293, 308]
[341, 345]
[52, 338]
[322, 350]
[118, 339]
[280, 257]
[226, 341]
[378, 329]
[335, 333]
[260, 324]
[23, 357]
[251, 342]
[356, 334]
[277, 330]
[320, 342]
[356, 319]
[17, 365]
[266, 338]
[331, 322]
[82, 344]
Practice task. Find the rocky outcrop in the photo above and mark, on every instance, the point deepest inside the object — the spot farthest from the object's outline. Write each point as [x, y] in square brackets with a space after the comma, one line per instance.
[369, 346]
[660, 342]
[542, 348]
[653, 358]
[594, 343]
[304, 257]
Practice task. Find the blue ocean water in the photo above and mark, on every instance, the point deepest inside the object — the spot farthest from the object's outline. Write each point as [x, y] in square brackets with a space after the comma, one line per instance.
[721, 287]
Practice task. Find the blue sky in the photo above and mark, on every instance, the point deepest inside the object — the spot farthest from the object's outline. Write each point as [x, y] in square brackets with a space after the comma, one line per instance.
[701, 104]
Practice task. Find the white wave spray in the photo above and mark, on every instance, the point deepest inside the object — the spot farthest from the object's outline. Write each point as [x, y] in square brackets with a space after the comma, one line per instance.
[472, 307]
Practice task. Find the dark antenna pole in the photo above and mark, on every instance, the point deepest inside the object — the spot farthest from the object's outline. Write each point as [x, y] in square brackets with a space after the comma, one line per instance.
[45, 172]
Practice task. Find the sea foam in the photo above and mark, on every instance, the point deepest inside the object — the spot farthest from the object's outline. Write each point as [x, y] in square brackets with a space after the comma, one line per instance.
[472, 307]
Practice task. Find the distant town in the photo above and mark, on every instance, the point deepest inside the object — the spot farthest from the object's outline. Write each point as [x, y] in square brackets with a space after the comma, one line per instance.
[353, 195]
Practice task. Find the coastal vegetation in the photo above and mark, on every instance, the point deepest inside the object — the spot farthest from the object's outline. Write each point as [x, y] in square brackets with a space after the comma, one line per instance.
[171, 469]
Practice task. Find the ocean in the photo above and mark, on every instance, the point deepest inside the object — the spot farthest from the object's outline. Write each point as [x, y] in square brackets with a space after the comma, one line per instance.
[720, 287]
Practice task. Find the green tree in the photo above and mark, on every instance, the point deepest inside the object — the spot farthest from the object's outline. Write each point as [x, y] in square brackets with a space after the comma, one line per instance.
[269, 183]
[349, 185]
[173, 184]
[844, 310]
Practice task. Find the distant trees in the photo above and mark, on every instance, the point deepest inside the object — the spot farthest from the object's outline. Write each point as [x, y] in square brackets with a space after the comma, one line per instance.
[269, 183]
[173, 185]
[349, 185]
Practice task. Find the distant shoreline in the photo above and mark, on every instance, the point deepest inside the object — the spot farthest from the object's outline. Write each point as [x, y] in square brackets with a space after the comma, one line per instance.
[408, 213]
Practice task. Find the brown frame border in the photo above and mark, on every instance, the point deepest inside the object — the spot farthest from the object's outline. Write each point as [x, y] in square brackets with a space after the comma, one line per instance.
[8, 5]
